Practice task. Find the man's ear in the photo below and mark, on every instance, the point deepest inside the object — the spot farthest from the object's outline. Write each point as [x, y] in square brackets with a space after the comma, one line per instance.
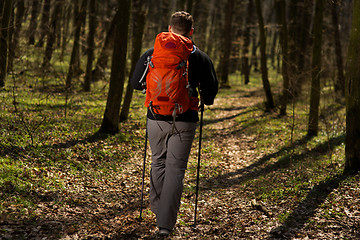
[169, 28]
[191, 32]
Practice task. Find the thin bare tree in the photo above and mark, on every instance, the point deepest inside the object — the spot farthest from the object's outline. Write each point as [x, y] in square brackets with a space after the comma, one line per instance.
[91, 45]
[4, 39]
[110, 123]
[137, 34]
[313, 126]
[352, 141]
[269, 104]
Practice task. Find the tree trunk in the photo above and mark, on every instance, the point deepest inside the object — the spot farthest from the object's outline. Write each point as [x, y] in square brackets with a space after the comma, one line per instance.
[294, 16]
[269, 105]
[189, 6]
[352, 141]
[180, 4]
[164, 15]
[273, 48]
[44, 25]
[200, 14]
[237, 36]
[138, 30]
[254, 57]
[74, 66]
[91, 44]
[209, 27]
[51, 35]
[1, 8]
[106, 16]
[281, 14]
[4, 40]
[65, 29]
[316, 69]
[18, 23]
[110, 123]
[10, 40]
[300, 20]
[303, 45]
[245, 58]
[33, 22]
[340, 81]
[102, 61]
[59, 22]
[226, 45]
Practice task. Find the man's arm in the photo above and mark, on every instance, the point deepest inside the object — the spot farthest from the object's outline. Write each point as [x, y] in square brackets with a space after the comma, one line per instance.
[202, 73]
[140, 70]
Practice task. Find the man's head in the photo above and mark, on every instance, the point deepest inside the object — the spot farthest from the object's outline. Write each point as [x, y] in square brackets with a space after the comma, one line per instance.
[181, 23]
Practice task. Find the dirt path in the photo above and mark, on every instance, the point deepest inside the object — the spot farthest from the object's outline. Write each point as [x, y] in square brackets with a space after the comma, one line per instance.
[225, 209]
[232, 171]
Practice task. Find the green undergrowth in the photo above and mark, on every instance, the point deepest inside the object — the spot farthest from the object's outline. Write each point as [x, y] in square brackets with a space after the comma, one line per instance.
[287, 168]
[49, 135]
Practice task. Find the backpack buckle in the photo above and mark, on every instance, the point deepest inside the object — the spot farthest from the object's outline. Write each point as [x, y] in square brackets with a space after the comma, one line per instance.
[182, 64]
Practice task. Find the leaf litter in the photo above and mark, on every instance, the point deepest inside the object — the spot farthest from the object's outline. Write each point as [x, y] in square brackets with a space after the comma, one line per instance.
[249, 189]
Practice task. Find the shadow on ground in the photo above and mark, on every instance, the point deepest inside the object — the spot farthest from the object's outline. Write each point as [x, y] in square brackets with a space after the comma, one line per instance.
[256, 170]
[307, 208]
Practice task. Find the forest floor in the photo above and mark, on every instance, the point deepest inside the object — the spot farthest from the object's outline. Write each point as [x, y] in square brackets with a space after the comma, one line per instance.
[261, 177]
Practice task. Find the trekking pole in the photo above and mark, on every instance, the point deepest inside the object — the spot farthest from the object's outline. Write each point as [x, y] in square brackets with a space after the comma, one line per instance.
[143, 175]
[198, 166]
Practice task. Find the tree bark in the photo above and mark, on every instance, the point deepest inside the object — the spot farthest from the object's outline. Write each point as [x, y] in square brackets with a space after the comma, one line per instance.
[352, 141]
[51, 35]
[2, 2]
[294, 16]
[209, 28]
[91, 45]
[18, 24]
[281, 14]
[103, 58]
[304, 44]
[10, 40]
[66, 13]
[110, 123]
[164, 15]
[269, 105]
[273, 48]
[4, 40]
[44, 25]
[74, 66]
[33, 22]
[245, 58]
[59, 22]
[138, 30]
[316, 69]
[300, 14]
[200, 14]
[225, 53]
[340, 80]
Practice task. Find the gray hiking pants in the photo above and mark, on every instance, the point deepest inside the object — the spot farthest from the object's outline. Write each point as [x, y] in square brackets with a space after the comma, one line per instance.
[170, 149]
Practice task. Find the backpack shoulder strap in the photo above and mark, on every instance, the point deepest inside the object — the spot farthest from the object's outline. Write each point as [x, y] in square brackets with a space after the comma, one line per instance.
[194, 49]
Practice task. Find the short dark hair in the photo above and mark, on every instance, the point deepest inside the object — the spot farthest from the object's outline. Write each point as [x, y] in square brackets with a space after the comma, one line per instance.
[181, 22]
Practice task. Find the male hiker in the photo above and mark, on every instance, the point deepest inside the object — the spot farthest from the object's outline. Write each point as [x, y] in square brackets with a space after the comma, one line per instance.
[173, 69]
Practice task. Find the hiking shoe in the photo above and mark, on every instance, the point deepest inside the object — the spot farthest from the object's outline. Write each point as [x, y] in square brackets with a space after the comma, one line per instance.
[164, 232]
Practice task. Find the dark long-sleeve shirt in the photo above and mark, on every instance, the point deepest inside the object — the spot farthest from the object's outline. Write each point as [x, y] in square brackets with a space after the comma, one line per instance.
[201, 75]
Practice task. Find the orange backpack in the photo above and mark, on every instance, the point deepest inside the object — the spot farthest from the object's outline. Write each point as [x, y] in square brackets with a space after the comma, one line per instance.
[167, 86]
